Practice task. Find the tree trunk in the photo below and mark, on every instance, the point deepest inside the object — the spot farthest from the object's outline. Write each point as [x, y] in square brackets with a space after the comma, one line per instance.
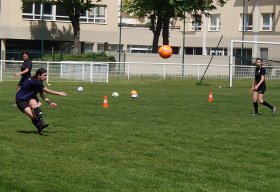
[155, 42]
[156, 33]
[76, 38]
[165, 31]
[76, 44]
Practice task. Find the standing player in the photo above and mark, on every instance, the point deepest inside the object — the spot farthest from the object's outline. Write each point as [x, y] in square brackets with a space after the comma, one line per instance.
[27, 102]
[25, 69]
[259, 88]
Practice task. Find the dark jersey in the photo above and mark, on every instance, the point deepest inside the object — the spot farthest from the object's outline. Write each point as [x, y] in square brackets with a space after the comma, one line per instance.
[26, 65]
[29, 89]
[258, 75]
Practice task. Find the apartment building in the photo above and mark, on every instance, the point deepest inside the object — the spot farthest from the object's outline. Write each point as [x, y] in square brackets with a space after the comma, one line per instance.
[46, 27]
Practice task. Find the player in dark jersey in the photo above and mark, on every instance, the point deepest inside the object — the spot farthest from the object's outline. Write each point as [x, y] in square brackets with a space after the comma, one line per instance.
[27, 101]
[259, 88]
[25, 69]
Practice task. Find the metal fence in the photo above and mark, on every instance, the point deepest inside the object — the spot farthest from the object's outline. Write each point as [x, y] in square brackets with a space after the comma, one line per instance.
[103, 71]
[59, 71]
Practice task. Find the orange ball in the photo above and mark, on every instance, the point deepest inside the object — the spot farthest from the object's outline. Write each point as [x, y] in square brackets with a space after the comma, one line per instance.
[165, 51]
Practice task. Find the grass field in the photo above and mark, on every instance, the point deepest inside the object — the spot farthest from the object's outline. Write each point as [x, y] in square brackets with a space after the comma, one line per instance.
[170, 139]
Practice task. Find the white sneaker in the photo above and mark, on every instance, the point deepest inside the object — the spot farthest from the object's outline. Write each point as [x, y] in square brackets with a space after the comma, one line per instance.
[273, 110]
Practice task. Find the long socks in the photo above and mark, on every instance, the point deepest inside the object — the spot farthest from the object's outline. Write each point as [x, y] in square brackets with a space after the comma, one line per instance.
[267, 105]
[38, 121]
[35, 122]
[256, 107]
[38, 113]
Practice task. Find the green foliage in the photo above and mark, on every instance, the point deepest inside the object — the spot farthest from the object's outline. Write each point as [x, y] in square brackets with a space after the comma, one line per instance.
[170, 139]
[78, 57]
[161, 12]
[169, 8]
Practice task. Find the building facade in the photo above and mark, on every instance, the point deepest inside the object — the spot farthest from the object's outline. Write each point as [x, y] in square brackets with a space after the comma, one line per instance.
[46, 28]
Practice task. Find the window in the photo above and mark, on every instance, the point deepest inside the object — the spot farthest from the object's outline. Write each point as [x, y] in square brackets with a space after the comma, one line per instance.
[215, 22]
[56, 12]
[84, 17]
[88, 47]
[196, 25]
[217, 51]
[264, 53]
[267, 21]
[27, 12]
[248, 20]
[94, 15]
[100, 14]
[33, 10]
[61, 13]
[139, 49]
[243, 56]
[48, 11]
[193, 50]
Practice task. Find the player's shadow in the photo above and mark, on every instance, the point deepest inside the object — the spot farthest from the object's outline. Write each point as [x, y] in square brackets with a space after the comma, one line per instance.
[35, 132]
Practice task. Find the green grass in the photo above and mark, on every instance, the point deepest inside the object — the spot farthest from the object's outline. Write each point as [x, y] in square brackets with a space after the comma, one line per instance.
[170, 139]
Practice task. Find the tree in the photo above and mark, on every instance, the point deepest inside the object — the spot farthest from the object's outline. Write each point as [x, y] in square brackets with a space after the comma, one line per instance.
[74, 9]
[161, 12]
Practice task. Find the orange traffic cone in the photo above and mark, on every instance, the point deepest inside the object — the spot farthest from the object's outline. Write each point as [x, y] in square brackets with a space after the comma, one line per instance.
[105, 102]
[210, 98]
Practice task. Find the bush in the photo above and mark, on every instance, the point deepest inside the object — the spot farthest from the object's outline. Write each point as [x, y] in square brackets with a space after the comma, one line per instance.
[78, 57]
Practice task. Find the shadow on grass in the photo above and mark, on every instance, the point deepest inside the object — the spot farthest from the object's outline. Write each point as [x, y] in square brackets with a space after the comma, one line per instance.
[35, 132]
[202, 84]
[28, 132]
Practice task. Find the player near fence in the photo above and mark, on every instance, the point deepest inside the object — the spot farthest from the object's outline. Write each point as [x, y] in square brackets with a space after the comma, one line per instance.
[27, 102]
[25, 69]
[259, 88]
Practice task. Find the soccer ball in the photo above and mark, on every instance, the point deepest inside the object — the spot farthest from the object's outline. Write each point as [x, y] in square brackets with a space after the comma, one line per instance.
[115, 94]
[165, 51]
[80, 89]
